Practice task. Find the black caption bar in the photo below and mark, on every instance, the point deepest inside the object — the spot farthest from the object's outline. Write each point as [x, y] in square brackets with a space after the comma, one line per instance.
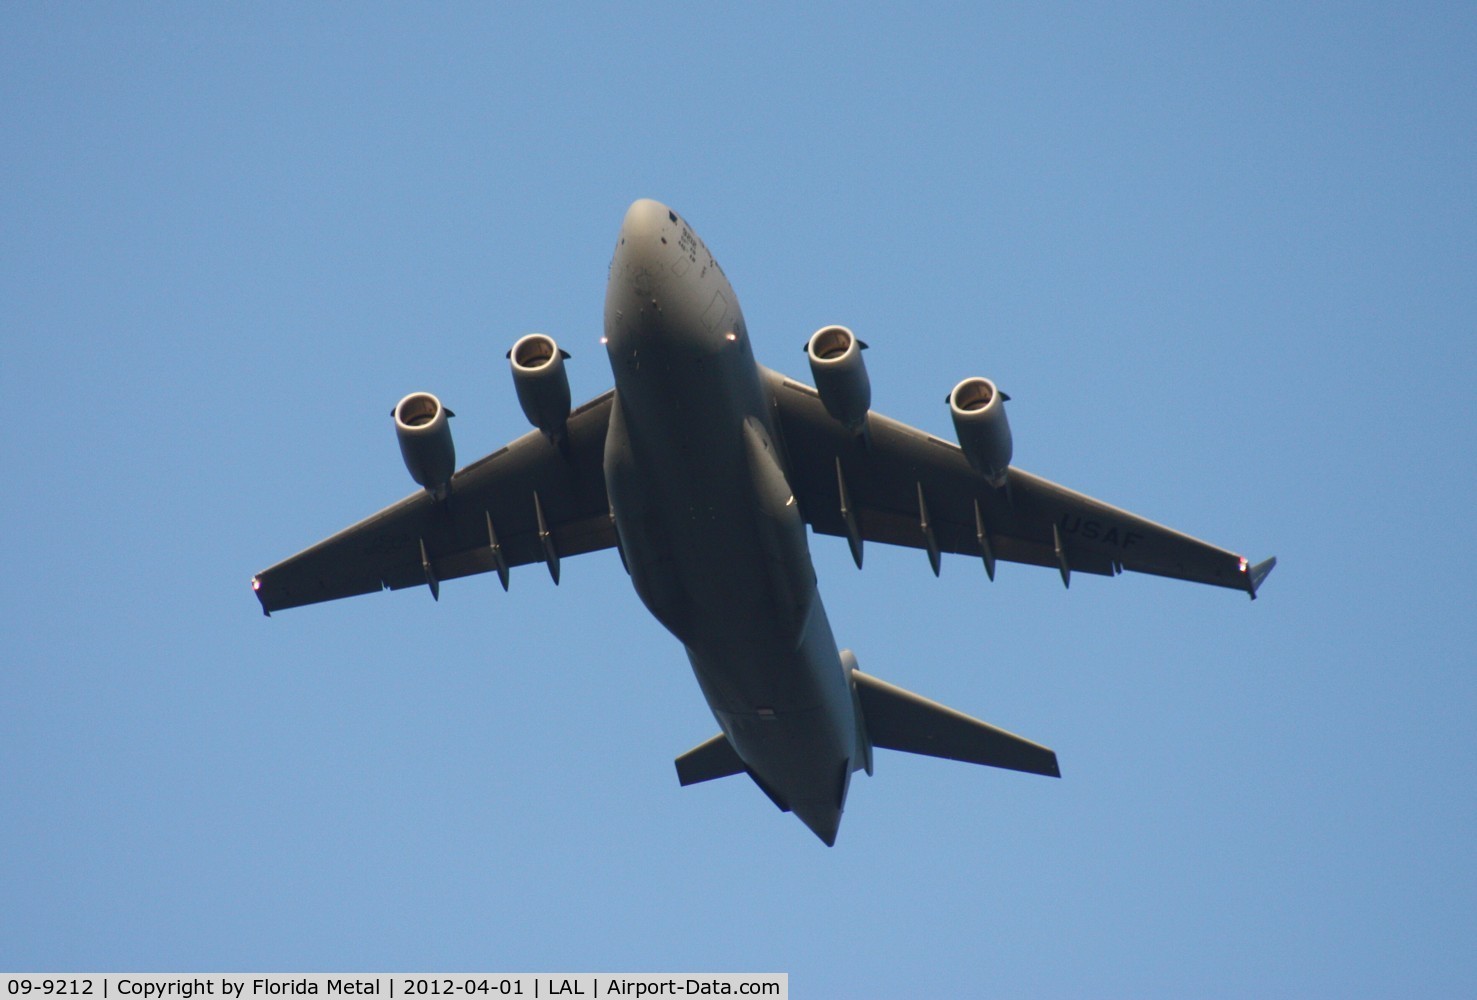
[390, 985]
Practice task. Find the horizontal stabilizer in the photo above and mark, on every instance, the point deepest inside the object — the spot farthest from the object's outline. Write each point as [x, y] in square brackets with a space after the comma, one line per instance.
[714, 759]
[901, 720]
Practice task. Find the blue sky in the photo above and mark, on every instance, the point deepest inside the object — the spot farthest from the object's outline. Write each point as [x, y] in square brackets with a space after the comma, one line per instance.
[1222, 259]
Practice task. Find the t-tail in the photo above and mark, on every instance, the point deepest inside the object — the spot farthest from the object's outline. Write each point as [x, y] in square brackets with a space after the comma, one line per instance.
[892, 718]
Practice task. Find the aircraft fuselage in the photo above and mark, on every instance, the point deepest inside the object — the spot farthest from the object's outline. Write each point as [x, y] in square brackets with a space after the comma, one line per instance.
[709, 527]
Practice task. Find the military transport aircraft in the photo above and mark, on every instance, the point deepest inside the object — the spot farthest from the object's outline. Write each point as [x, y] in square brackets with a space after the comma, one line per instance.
[703, 469]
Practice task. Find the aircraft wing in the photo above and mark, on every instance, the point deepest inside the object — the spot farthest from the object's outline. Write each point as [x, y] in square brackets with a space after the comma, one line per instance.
[908, 487]
[528, 502]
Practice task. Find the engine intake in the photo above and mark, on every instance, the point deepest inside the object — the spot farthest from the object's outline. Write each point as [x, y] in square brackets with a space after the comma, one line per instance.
[541, 382]
[840, 375]
[978, 409]
[425, 441]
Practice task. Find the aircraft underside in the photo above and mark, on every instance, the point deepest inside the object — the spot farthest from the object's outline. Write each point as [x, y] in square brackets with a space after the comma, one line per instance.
[706, 470]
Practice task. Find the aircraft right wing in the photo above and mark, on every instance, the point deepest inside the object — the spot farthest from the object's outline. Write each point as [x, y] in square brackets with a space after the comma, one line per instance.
[528, 502]
[907, 487]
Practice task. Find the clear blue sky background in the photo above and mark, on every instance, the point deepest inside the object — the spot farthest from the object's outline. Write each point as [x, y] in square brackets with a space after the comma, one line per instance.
[1222, 258]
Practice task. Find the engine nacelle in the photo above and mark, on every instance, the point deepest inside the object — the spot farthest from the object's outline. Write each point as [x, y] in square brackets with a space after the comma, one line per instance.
[841, 375]
[425, 441]
[542, 384]
[978, 409]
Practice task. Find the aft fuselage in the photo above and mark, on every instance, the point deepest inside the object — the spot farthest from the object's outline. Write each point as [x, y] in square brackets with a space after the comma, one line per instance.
[709, 528]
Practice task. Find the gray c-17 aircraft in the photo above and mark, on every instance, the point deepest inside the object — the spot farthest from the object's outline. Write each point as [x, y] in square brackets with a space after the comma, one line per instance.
[703, 469]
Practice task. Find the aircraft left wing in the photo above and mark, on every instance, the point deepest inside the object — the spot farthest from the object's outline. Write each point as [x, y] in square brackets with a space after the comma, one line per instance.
[530, 501]
[907, 487]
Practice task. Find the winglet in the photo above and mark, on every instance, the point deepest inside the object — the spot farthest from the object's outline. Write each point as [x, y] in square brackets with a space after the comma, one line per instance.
[1256, 574]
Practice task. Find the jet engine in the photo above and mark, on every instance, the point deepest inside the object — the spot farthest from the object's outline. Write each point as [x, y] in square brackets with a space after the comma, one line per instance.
[841, 375]
[978, 409]
[425, 441]
[542, 384]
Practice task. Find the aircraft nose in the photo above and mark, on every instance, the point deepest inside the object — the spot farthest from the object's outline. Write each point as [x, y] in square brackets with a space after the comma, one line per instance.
[644, 296]
[665, 292]
[644, 249]
[645, 221]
